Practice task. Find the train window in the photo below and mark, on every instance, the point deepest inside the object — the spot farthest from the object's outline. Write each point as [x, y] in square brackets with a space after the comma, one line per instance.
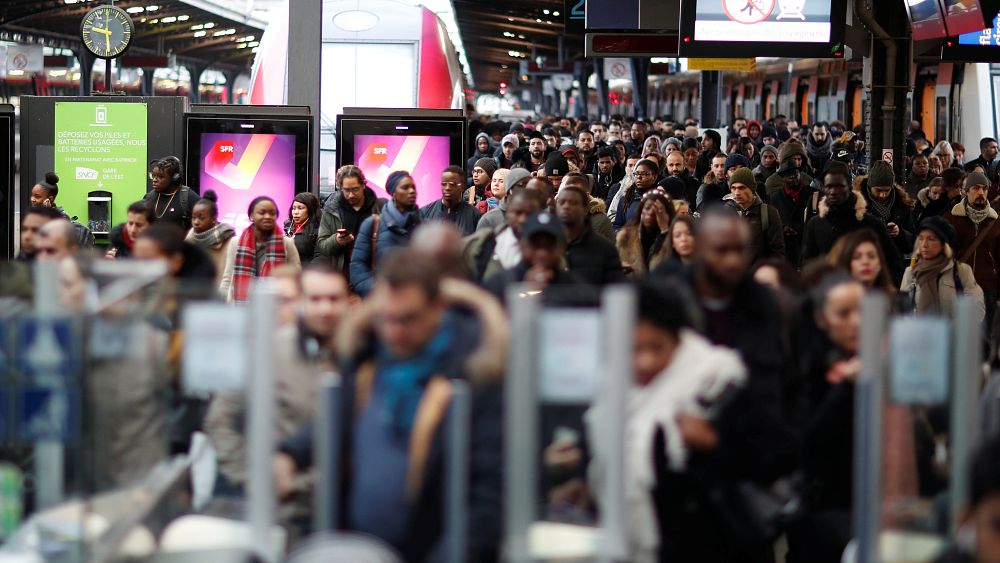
[841, 114]
[941, 119]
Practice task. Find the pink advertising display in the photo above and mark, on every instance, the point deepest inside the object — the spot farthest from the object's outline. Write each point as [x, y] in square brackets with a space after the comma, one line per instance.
[242, 166]
[423, 156]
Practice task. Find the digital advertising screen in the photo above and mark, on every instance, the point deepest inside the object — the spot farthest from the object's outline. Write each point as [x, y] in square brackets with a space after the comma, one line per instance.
[762, 28]
[926, 20]
[380, 145]
[424, 156]
[962, 16]
[241, 167]
[980, 46]
[241, 159]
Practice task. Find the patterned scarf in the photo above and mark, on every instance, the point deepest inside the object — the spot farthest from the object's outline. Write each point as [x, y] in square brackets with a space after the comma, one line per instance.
[245, 266]
[882, 210]
[976, 215]
[212, 238]
[925, 279]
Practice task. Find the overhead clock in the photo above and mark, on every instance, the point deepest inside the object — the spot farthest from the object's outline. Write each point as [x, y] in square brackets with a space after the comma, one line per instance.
[107, 31]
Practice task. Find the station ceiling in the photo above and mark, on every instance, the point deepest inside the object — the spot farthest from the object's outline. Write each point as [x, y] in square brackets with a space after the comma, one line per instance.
[493, 33]
[195, 31]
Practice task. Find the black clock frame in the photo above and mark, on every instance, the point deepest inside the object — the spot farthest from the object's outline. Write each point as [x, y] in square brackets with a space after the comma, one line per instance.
[108, 81]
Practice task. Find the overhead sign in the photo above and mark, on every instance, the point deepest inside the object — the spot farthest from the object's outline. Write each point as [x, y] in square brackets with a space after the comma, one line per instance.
[633, 15]
[744, 65]
[100, 146]
[630, 45]
[887, 155]
[617, 69]
[574, 15]
[25, 58]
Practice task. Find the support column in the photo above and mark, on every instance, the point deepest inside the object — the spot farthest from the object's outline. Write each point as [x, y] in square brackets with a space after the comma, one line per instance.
[230, 86]
[640, 87]
[886, 79]
[86, 71]
[147, 82]
[710, 91]
[304, 70]
[602, 90]
[194, 92]
[582, 71]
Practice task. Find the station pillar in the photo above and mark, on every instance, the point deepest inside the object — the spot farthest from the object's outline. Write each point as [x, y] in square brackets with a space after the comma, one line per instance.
[194, 92]
[304, 69]
[640, 86]
[582, 71]
[710, 91]
[86, 70]
[602, 90]
[886, 79]
[147, 81]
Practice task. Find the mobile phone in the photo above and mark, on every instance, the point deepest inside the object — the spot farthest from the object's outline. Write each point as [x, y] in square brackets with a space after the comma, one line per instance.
[342, 232]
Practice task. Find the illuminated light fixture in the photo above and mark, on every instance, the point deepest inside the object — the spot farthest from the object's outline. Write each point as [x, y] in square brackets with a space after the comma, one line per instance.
[546, 12]
[183, 18]
[197, 27]
[169, 19]
[200, 34]
[355, 20]
[135, 9]
[152, 21]
[510, 19]
[538, 20]
[209, 25]
[556, 14]
[152, 8]
[521, 37]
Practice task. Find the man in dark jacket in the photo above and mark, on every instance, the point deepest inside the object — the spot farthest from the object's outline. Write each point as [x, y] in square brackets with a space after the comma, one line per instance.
[768, 165]
[452, 205]
[794, 202]
[342, 217]
[819, 146]
[401, 356]
[794, 152]
[172, 201]
[987, 158]
[589, 255]
[974, 217]
[890, 203]
[715, 186]
[381, 234]
[766, 233]
[843, 211]
[676, 169]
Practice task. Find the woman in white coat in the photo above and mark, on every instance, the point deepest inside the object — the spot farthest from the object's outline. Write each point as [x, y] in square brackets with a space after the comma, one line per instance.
[937, 277]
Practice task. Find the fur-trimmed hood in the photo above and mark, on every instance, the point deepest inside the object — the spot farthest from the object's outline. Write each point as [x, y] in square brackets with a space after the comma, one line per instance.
[487, 362]
[923, 196]
[958, 210]
[597, 206]
[860, 206]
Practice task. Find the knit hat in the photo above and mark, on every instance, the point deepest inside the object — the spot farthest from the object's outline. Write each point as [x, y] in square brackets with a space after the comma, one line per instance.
[880, 174]
[516, 175]
[787, 166]
[516, 127]
[769, 148]
[768, 131]
[556, 165]
[939, 226]
[743, 176]
[487, 164]
[536, 135]
[976, 179]
[394, 179]
[512, 139]
[736, 159]
[674, 186]
[789, 150]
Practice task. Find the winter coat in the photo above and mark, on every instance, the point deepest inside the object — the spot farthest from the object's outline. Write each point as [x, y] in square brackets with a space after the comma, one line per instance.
[632, 255]
[710, 193]
[305, 240]
[985, 261]
[769, 243]
[793, 219]
[594, 259]
[116, 238]
[476, 155]
[478, 253]
[599, 221]
[394, 231]
[915, 184]
[338, 214]
[762, 174]
[926, 207]
[477, 355]
[947, 288]
[494, 217]
[901, 214]
[464, 216]
[565, 289]
[216, 253]
[824, 229]
[226, 286]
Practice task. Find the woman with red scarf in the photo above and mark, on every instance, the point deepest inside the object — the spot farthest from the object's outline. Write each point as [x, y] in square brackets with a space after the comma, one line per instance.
[122, 237]
[257, 252]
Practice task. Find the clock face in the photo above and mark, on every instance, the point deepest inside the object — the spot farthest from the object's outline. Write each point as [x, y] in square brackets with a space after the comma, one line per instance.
[106, 31]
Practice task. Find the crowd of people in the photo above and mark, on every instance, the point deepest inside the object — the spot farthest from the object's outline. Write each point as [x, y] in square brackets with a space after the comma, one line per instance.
[750, 248]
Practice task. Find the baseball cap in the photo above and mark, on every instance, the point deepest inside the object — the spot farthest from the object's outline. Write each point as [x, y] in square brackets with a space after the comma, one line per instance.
[543, 222]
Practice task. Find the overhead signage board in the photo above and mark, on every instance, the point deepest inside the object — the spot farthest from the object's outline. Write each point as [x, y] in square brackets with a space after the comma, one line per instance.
[980, 46]
[762, 28]
[574, 14]
[100, 147]
[617, 45]
[632, 15]
[24, 59]
[743, 65]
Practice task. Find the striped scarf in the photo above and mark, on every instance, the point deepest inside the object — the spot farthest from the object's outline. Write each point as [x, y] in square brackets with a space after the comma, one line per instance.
[245, 265]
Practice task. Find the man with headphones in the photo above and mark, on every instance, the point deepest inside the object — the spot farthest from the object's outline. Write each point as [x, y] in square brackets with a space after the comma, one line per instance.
[172, 201]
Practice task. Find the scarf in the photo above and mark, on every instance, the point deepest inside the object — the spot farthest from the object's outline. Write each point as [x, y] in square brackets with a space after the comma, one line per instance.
[245, 265]
[976, 215]
[882, 210]
[402, 382]
[925, 275]
[820, 151]
[212, 238]
[127, 238]
[793, 193]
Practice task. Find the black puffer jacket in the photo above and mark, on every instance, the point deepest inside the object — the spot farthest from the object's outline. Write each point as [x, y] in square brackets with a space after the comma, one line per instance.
[900, 213]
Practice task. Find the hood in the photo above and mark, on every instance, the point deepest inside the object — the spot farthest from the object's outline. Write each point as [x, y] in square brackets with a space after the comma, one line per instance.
[486, 363]
[923, 196]
[860, 206]
[490, 146]
[959, 210]
[597, 206]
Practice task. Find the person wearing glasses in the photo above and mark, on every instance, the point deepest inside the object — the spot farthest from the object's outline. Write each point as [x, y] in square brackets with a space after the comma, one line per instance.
[646, 176]
[452, 206]
[342, 217]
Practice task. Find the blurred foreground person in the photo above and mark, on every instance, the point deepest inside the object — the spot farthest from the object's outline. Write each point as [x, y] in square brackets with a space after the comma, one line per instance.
[57, 240]
[978, 539]
[32, 222]
[400, 353]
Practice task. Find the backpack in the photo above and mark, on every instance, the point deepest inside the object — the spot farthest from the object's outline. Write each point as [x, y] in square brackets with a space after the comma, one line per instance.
[84, 236]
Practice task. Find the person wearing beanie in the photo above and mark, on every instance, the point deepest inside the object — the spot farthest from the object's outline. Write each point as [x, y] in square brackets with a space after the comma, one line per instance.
[482, 176]
[768, 164]
[769, 136]
[889, 202]
[766, 238]
[937, 277]
[556, 166]
[796, 201]
[792, 152]
[517, 178]
[504, 155]
[518, 130]
[972, 217]
[842, 211]
[386, 231]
